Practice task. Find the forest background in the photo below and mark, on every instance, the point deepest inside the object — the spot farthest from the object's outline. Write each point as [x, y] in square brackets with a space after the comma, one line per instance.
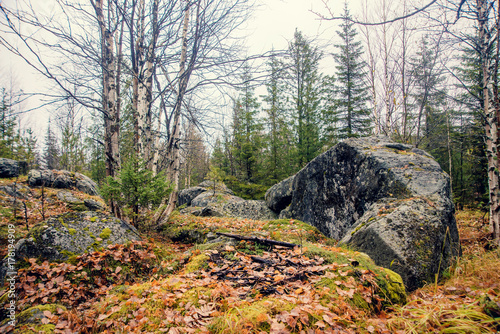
[156, 93]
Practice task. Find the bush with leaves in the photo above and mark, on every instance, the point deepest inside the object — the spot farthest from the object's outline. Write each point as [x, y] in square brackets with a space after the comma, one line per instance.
[136, 187]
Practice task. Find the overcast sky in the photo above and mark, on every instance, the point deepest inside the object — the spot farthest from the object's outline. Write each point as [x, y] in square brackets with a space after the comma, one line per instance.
[272, 25]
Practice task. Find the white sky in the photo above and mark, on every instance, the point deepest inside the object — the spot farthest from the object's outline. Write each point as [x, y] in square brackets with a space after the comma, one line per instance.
[272, 25]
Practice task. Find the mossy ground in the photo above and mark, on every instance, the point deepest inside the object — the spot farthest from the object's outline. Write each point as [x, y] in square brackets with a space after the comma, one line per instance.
[177, 291]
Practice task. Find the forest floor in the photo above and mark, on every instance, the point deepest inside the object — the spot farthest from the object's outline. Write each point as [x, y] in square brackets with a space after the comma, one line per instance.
[171, 284]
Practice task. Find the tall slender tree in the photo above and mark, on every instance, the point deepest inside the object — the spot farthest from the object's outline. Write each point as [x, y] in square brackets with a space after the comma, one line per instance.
[278, 143]
[247, 142]
[305, 90]
[51, 153]
[351, 91]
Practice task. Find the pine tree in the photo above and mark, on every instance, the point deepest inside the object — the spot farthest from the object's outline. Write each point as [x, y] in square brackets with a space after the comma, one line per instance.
[305, 86]
[349, 111]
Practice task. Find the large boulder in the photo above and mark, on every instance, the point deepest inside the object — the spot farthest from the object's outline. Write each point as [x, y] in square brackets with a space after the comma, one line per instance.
[218, 186]
[62, 179]
[71, 234]
[389, 200]
[188, 194]
[210, 197]
[11, 168]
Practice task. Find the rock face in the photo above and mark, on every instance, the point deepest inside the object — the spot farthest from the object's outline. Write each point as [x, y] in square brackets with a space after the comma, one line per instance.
[187, 195]
[11, 168]
[249, 209]
[279, 196]
[70, 234]
[62, 179]
[389, 200]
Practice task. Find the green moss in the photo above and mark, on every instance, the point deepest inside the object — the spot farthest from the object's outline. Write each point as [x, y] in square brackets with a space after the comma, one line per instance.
[61, 220]
[37, 231]
[392, 286]
[93, 219]
[361, 226]
[72, 231]
[239, 317]
[196, 263]
[106, 232]
[80, 206]
[28, 315]
[37, 329]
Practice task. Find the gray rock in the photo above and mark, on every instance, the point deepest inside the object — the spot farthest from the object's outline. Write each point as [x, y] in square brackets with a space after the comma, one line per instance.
[279, 196]
[69, 234]
[62, 179]
[210, 197]
[388, 200]
[73, 202]
[94, 205]
[187, 195]
[210, 211]
[9, 168]
[219, 186]
[15, 190]
[251, 209]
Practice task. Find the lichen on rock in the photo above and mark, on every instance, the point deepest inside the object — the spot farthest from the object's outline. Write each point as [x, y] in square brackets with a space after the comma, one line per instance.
[389, 200]
[60, 237]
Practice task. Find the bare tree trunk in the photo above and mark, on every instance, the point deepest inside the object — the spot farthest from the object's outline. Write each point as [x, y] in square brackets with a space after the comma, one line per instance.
[143, 73]
[110, 97]
[372, 69]
[173, 147]
[491, 121]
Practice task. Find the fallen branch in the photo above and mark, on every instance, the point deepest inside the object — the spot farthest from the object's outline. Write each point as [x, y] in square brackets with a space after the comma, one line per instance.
[259, 240]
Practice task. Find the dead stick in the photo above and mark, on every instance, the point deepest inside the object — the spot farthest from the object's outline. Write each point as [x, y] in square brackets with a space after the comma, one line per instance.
[259, 240]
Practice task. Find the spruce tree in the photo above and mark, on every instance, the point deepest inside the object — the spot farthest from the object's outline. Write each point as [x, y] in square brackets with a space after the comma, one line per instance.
[349, 112]
[278, 153]
[7, 127]
[305, 89]
[51, 153]
[429, 96]
[247, 136]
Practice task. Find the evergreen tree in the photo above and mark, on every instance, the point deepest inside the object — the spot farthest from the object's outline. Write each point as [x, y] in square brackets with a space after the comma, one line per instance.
[135, 188]
[28, 153]
[429, 96]
[51, 154]
[278, 143]
[305, 86]
[247, 137]
[72, 155]
[469, 176]
[7, 128]
[349, 112]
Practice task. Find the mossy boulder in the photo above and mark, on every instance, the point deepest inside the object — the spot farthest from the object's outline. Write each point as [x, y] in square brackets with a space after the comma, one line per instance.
[389, 200]
[62, 179]
[61, 237]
